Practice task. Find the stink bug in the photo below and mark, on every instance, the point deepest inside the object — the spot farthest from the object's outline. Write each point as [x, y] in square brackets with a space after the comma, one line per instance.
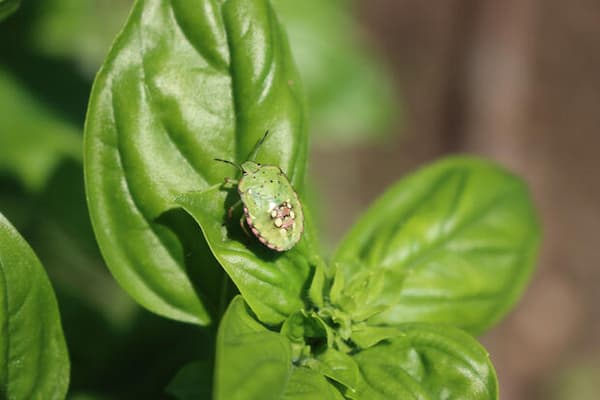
[272, 209]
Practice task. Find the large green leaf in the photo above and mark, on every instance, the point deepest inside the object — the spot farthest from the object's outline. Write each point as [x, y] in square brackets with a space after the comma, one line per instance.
[34, 363]
[457, 241]
[252, 362]
[185, 81]
[426, 362]
[8, 7]
[33, 139]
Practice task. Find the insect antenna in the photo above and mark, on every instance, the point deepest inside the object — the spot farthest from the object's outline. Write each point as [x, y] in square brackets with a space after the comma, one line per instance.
[252, 154]
[229, 162]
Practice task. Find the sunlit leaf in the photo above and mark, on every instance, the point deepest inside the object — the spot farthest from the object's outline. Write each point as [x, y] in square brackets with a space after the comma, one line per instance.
[185, 82]
[457, 241]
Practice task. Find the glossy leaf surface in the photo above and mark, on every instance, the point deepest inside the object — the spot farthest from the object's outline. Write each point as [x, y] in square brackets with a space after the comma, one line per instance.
[185, 82]
[460, 237]
[252, 362]
[426, 362]
[34, 363]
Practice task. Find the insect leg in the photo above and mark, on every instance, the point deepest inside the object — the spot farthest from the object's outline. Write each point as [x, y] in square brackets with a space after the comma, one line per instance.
[243, 225]
[232, 208]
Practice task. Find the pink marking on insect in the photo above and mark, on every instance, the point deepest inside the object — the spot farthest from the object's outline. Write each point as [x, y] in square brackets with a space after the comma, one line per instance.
[283, 216]
[288, 222]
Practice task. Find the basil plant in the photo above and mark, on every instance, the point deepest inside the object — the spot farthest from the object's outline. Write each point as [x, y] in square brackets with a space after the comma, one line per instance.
[441, 256]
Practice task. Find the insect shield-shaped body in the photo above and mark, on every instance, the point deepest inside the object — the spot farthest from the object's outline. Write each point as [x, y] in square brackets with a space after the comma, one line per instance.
[272, 209]
[271, 206]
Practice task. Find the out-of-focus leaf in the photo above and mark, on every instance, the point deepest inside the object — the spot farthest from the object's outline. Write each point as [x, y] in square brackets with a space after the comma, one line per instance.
[8, 7]
[581, 382]
[457, 241]
[192, 382]
[350, 91]
[79, 262]
[33, 140]
[185, 82]
[96, 22]
[34, 363]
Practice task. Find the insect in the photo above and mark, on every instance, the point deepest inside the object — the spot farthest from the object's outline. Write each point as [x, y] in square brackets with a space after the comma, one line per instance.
[272, 209]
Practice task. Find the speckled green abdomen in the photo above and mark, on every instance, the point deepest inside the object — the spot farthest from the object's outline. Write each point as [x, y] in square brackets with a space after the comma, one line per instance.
[271, 206]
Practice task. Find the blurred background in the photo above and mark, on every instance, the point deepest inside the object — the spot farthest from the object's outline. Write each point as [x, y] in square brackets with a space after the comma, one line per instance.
[392, 85]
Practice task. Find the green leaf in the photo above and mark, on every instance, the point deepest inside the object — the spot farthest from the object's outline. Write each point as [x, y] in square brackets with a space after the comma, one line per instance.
[363, 292]
[349, 88]
[336, 365]
[34, 363]
[255, 363]
[426, 362]
[33, 139]
[192, 382]
[317, 287]
[306, 331]
[302, 326]
[272, 284]
[185, 82]
[252, 362]
[365, 336]
[307, 384]
[461, 238]
[8, 7]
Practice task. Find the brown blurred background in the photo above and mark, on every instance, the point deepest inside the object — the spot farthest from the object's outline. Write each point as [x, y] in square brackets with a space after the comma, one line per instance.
[518, 82]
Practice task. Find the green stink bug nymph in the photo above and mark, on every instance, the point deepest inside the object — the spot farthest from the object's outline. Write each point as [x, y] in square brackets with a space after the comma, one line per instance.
[272, 209]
